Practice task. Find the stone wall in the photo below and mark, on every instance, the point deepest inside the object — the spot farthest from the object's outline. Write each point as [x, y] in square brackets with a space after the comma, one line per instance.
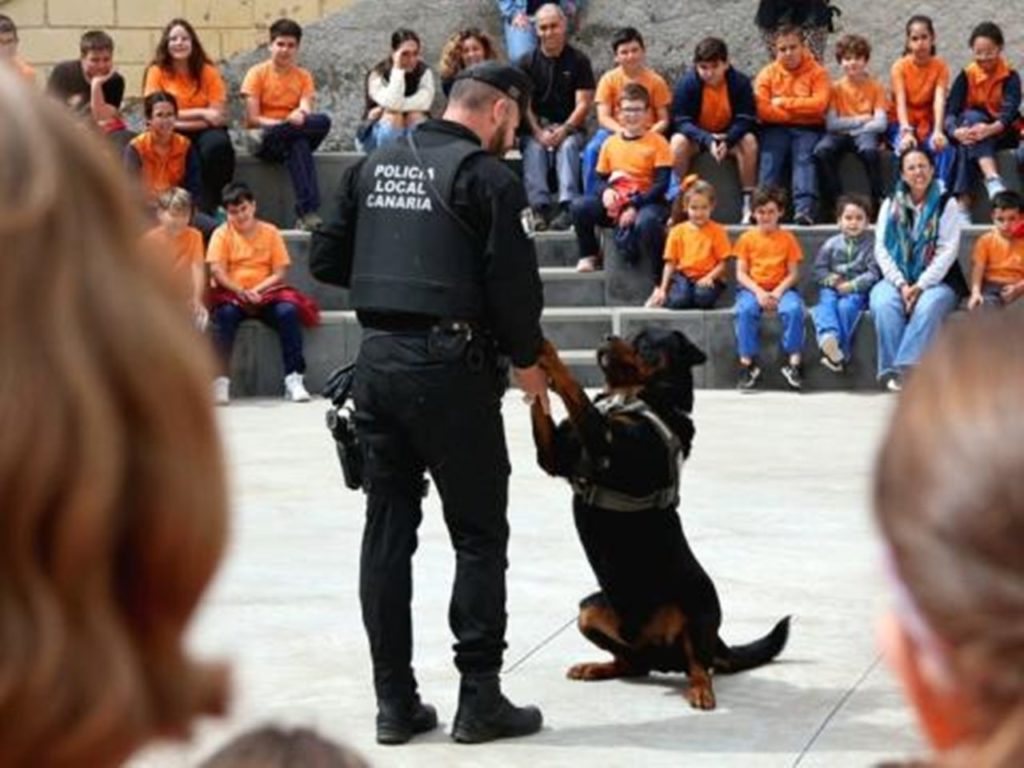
[50, 29]
[340, 48]
[351, 35]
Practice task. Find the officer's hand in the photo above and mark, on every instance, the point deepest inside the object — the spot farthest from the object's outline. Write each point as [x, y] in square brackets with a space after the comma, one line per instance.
[534, 383]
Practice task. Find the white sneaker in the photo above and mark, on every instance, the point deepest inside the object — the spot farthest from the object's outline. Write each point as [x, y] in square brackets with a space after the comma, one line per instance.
[294, 389]
[221, 390]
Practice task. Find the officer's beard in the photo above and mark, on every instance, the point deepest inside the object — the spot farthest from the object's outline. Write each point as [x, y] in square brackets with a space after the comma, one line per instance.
[503, 138]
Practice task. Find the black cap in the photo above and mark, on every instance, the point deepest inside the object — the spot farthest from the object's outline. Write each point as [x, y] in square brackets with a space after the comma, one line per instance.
[511, 81]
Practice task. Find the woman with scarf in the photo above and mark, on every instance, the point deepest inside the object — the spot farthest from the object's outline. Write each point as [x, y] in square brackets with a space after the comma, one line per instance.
[399, 92]
[916, 245]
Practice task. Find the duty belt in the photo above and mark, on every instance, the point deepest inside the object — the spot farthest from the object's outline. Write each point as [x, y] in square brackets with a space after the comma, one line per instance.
[595, 495]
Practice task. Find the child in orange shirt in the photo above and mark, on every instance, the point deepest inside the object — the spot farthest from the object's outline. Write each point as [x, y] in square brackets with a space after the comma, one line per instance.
[984, 105]
[920, 84]
[9, 50]
[248, 261]
[997, 274]
[695, 252]
[181, 67]
[631, 58]
[856, 120]
[279, 97]
[767, 269]
[633, 172]
[162, 158]
[181, 246]
[792, 95]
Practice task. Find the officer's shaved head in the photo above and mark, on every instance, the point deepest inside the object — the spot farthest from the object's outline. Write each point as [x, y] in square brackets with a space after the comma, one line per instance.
[474, 95]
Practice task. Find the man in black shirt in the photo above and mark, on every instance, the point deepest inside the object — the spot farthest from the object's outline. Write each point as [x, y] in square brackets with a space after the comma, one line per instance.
[563, 92]
[91, 86]
[429, 235]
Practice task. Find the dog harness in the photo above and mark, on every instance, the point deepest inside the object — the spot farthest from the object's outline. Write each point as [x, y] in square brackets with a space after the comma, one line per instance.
[596, 495]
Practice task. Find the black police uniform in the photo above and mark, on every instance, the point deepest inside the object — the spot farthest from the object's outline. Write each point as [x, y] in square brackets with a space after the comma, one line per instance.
[443, 276]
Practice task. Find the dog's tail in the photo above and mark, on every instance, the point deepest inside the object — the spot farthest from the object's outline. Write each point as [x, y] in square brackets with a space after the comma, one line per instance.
[737, 658]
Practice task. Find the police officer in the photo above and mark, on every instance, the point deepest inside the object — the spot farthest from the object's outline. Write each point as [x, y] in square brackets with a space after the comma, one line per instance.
[431, 236]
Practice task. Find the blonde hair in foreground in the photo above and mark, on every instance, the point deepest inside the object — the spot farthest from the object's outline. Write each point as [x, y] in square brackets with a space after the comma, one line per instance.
[949, 499]
[112, 493]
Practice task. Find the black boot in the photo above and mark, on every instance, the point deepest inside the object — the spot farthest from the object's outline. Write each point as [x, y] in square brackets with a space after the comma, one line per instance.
[399, 721]
[484, 714]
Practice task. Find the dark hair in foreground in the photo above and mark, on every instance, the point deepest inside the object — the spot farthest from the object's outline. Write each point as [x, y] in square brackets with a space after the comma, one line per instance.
[111, 474]
[950, 505]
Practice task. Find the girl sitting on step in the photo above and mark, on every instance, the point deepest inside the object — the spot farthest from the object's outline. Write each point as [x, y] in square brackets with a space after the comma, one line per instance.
[695, 252]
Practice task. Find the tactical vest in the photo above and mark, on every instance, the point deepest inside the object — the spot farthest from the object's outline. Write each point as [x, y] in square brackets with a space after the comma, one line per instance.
[596, 495]
[412, 253]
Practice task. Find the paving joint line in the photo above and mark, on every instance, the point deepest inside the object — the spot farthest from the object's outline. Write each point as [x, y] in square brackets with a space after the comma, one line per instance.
[522, 659]
[835, 710]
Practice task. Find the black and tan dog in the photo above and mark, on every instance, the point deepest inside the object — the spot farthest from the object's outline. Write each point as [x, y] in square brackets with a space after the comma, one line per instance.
[657, 609]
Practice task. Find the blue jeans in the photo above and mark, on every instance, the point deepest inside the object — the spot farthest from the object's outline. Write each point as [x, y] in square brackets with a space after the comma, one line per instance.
[748, 322]
[537, 160]
[285, 143]
[519, 41]
[791, 146]
[645, 239]
[830, 150]
[684, 293]
[901, 339]
[943, 160]
[283, 316]
[966, 166]
[384, 133]
[591, 153]
[837, 315]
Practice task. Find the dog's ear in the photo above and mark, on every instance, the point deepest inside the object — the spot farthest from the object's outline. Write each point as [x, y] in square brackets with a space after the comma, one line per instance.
[690, 354]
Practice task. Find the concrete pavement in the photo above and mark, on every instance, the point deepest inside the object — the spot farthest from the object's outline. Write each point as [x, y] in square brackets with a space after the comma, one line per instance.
[774, 504]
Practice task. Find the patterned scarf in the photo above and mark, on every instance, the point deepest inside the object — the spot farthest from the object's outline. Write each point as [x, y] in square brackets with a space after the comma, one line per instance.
[911, 240]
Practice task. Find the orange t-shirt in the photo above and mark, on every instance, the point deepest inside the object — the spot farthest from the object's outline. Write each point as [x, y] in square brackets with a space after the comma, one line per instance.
[609, 89]
[984, 90]
[1003, 259]
[695, 251]
[715, 109]
[637, 158]
[187, 92]
[161, 168]
[919, 84]
[768, 255]
[804, 93]
[278, 93]
[849, 98]
[248, 260]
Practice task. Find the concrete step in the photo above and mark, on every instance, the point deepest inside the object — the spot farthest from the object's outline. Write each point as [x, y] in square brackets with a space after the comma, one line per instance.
[277, 203]
[563, 286]
[257, 368]
[620, 284]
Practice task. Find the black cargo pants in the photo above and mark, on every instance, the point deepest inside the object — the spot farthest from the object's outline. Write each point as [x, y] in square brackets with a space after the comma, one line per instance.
[420, 406]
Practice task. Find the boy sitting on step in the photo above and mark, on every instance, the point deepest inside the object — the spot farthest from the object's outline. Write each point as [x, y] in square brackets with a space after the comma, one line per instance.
[767, 270]
[181, 247]
[279, 98]
[997, 272]
[845, 271]
[634, 169]
[248, 261]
